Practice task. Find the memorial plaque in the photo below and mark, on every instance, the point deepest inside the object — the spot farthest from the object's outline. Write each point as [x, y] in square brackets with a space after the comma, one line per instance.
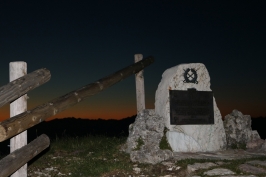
[191, 107]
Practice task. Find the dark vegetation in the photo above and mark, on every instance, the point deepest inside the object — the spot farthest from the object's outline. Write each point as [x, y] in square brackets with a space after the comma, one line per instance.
[259, 124]
[73, 127]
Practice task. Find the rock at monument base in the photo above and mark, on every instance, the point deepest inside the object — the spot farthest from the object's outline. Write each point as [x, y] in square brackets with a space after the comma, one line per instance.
[255, 144]
[197, 166]
[219, 171]
[151, 157]
[209, 137]
[145, 135]
[251, 169]
[262, 148]
[238, 130]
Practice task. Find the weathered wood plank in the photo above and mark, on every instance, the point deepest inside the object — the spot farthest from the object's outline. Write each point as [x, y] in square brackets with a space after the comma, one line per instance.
[21, 122]
[16, 70]
[22, 85]
[19, 157]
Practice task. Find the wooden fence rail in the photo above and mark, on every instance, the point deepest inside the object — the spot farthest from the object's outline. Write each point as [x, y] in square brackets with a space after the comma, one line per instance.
[22, 85]
[23, 121]
[17, 88]
[19, 157]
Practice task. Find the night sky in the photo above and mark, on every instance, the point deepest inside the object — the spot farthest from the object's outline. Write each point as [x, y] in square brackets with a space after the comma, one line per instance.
[83, 41]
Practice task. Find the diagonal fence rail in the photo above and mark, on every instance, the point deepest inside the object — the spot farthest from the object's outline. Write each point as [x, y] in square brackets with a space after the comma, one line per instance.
[23, 121]
[19, 157]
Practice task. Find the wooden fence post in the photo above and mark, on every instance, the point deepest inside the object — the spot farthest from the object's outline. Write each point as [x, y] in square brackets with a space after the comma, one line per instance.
[140, 93]
[16, 70]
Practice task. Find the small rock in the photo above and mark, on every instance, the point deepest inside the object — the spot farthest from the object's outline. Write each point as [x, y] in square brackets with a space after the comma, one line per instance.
[50, 169]
[262, 148]
[255, 144]
[219, 171]
[251, 169]
[241, 176]
[61, 174]
[197, 166]
[254, 135]
[169, 164]
[170, 169]
[177, 168]
[137, 170]
[42, 174]
[220, 163]
[257, 162]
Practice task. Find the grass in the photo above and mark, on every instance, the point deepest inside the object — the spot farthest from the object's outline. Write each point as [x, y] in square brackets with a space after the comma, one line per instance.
[83, 156]
[99, 156]
[164, 143]
[140, 142]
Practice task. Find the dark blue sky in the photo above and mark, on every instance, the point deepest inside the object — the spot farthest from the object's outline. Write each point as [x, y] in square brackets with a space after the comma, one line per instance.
[83, 41]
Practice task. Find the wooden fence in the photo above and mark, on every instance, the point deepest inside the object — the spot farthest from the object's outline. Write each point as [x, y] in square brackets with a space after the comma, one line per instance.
[17, 124]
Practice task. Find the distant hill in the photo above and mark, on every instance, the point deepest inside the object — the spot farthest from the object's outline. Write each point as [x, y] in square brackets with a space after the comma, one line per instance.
[81, 127]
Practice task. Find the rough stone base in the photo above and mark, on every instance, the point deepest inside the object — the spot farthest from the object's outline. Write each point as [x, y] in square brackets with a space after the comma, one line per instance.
[145, 135]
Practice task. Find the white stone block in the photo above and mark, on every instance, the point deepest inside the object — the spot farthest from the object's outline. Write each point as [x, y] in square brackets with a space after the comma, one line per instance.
[206, 137]
[180, 142]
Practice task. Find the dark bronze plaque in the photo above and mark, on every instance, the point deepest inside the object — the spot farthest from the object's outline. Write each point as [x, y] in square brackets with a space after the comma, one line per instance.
[191, 107]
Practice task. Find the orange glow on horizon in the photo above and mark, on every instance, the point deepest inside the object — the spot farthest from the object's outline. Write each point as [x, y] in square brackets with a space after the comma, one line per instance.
[116, 115]
[124, 111]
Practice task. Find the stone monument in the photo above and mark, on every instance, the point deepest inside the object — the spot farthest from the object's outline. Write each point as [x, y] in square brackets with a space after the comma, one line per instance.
[194, 123]
[186, 119]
